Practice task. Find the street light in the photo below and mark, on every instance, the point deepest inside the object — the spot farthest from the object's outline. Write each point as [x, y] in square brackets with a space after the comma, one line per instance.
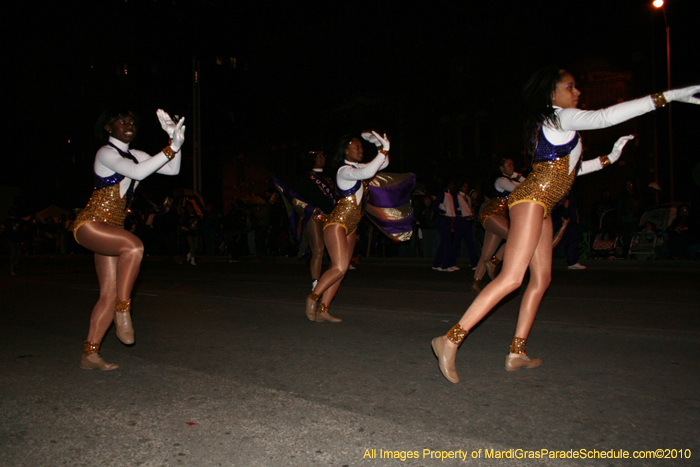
[660, 4]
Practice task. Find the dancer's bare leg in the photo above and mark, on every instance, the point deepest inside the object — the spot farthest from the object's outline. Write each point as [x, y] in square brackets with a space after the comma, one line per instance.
[337, 243]
[107, 240]
[103, 312]
[496, 228]
[526, 230]
[501, 252]
[491, 242]
[314, 233]
[118, 255]
[540, 278]
[499, 226]
[335, 238]
[331, 292]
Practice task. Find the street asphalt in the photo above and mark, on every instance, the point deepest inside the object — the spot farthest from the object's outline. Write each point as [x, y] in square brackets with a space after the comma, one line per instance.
[227, 371]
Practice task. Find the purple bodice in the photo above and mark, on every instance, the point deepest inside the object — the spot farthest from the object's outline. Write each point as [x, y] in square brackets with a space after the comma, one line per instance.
[548, 152]
[350, 192]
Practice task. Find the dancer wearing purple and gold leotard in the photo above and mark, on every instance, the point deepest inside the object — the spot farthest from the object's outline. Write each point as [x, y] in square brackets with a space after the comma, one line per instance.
[494, 219]
[551, 98]
[100, 226]
[339, 228]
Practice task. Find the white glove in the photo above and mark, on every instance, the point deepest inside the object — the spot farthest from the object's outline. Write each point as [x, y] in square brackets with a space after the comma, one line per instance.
[617, 148]
[166, 122]
[683, 94]
[178, 135]
[373, 137]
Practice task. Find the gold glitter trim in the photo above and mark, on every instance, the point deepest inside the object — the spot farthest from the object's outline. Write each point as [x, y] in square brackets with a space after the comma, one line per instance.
[659, 100]
[391, 214]
[105, 205]
[476, 281]
[123, 306]
[510, 205]
[328, 223]
[518, 345]
[169, 153]
[496, 207]
[456, 335]
[346, 213]
[314, 297]
[547, 184]
[91, 347]
[322, 308]
[299, 206]
[384, 179]
[604, 161]
[402, 237]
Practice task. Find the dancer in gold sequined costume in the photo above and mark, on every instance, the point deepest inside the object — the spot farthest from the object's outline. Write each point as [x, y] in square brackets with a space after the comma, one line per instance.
[551, 99]
[494, 219]
[100, 226]
[339, 228]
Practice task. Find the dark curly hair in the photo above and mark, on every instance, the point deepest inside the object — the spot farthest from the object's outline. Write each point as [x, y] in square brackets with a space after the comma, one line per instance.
[107, 117]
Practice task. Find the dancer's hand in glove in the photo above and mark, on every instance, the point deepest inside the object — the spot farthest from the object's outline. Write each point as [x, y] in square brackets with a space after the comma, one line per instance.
[617, 148]
[166, 122]
[178, 135]
[377, 140]
[684, 95]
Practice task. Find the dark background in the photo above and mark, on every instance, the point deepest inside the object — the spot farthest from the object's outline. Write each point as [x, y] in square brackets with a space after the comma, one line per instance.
[304, 72]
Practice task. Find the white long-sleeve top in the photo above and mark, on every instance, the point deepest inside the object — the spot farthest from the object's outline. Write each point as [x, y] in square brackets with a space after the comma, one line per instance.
[572, 120]
[349, 174]
[506, 184]
[108, 162]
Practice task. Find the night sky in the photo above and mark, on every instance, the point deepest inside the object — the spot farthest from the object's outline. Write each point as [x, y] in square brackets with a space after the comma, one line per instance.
[299, 65]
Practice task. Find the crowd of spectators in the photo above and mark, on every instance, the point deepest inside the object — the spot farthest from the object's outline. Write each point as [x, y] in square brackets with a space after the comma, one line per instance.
[189, 229]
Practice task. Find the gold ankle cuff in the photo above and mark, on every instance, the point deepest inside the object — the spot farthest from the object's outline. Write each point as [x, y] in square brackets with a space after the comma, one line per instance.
[456, 335]
[123, 306]
[91, 347]
[314, 297]
[518, 345]
[495, 261]
[322, 308]
[476, 281]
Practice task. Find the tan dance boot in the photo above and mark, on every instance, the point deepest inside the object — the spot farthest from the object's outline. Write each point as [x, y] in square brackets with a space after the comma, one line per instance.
[91, 359]
[476, 285]
[517, 359]
[446, 354]
[122, 321]
[491, 265]
[311, 302]
[322, 315]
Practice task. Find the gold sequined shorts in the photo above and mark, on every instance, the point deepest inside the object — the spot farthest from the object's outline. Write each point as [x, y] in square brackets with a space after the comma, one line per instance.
[346, 213]
[105, 205]
[547, 184]
[496, 207]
